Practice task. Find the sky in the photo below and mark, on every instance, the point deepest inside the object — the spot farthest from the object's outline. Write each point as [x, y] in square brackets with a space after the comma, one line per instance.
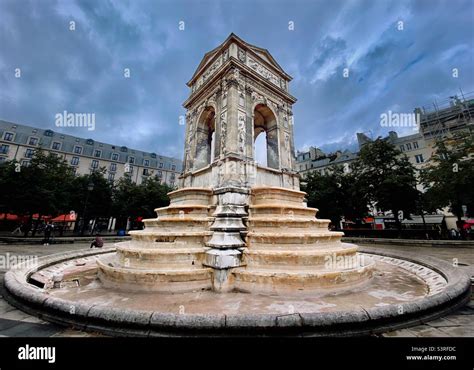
[399, 55]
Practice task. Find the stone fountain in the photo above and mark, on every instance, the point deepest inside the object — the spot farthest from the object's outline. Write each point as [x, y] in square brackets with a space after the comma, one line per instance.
[237, 249]
[234, 224]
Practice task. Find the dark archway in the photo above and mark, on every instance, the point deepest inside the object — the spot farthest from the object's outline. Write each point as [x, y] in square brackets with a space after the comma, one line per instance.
[265, 123]
[205, 129]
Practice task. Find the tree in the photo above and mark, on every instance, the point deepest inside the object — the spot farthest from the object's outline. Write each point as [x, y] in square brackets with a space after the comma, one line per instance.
[336, 195]
[449, 177]
[132, 200]
[152, 194]
[388, 178]
[42, 187]
[95, 202]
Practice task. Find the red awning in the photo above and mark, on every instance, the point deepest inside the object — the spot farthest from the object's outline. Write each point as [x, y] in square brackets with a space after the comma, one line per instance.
[9, 217]
[67, 217]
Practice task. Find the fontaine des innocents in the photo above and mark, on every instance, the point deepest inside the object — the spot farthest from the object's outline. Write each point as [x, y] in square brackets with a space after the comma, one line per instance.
[233, 224]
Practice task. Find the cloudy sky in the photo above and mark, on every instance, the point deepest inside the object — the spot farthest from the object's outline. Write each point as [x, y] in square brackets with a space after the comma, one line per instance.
[82, 70]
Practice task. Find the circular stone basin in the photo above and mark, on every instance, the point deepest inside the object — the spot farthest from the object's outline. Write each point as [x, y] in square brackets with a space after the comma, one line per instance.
[404, 291]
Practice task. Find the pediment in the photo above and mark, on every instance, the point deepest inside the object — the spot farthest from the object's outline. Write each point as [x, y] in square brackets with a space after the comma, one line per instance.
[262, 54]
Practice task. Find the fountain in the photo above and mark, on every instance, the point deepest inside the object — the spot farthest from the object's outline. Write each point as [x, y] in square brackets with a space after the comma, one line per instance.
[237, 250]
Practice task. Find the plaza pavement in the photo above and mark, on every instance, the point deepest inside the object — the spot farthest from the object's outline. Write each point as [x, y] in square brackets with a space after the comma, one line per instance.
[15, 323]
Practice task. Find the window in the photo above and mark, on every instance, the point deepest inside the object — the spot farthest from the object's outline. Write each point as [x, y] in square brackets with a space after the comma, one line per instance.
[146, 162]
[3, 160]
[419, 158]
[408, 146]
[25, 163]
[75, 161]
[56, 145]
[173, 167]
[111, 176]
[8, 136]
[402, 148]
[4, 148]
[78, 149]
[146, 172]
[158, 173]
[33, 141]
[115, 156]
[415, 144]
[90, 142]
[113, 167]
[123, 149]
[74, 170]
[50, 133]
[97, 153]
[29, 153]
[161, 165]
[153, 155]
[95, 164]
[131, 160]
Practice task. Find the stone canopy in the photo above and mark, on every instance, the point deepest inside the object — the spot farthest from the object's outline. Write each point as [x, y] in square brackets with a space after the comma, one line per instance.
[237, 93]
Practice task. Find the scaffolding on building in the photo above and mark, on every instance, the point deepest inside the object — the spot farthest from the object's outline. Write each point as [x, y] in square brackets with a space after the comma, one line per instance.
[447, 116]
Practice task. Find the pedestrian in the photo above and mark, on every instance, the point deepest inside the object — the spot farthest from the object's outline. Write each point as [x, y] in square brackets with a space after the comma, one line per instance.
[98, 242]
[48, 229]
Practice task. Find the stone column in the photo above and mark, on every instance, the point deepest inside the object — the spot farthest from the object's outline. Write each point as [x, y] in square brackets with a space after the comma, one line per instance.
[226, 244]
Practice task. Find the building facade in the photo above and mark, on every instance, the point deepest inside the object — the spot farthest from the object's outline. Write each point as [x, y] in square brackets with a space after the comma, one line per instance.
[438, 123]
[316, 160]
[19, 142]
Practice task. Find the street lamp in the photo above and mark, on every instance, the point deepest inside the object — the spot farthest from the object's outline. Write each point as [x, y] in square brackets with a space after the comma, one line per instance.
[90, 187]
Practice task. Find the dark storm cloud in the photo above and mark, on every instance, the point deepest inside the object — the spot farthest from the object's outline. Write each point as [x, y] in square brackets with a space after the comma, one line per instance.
[82, 70]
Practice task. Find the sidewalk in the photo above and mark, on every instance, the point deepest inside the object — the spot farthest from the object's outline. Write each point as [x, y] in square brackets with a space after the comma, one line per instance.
[59, 240]
[410, 242]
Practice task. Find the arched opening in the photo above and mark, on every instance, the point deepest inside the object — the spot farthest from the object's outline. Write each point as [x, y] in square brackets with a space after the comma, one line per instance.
[205, 138]
[213, 146]
[260, 149]
[265, 137]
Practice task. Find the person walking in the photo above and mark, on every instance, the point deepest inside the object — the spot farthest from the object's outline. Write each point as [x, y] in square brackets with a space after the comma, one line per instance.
[48, 229]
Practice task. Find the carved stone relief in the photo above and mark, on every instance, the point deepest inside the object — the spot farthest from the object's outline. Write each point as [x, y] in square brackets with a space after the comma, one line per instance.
[241, 132]
[242, 55]
[264, 72]
[223, 132]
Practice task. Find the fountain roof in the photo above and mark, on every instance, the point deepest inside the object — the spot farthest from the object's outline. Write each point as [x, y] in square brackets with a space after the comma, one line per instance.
[263, 54]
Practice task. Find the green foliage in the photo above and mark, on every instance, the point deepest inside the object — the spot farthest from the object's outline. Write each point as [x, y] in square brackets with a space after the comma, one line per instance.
[336, 194]
[42, 187]
[449, 177]
[380, 176]
[388, 178]
[48, 186]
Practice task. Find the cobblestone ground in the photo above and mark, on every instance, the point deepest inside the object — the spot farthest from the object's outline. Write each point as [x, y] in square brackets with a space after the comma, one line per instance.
[14, 322]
